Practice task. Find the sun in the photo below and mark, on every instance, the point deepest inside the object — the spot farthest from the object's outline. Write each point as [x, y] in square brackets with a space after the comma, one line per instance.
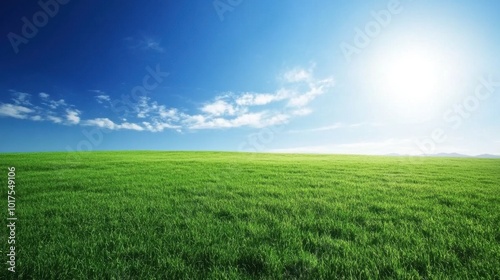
[410, 81]
[412, 77]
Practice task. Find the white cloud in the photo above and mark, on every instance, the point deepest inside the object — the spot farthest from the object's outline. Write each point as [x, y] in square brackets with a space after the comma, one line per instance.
[159, 126]
[53, 104]
[218, 108]
[302, 112]
[131, 126]
[168, 113]
[58, 103]
[98, 91]
[21, 98]
[227, 110]
[275, 120]
[297, 75]
[253, 119]
[55, 111]
[143, 107]
[330, 127]
[102, 98]
[192, 120]
[253, 99]
[73, 116]
[146, 108]
[149, 127]
[256, 120]
[109, 124]
[54, 119]
[100, 122]
[315, 89]
[14, 111]
[236, 110]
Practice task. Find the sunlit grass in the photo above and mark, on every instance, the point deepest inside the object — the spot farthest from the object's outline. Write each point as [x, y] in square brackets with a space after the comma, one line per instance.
[198, 215]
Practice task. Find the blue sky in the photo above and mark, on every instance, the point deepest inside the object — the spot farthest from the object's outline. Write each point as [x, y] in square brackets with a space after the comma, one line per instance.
[408, 77]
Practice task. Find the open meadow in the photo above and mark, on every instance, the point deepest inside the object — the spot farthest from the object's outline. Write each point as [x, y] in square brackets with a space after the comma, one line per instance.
[216, 215]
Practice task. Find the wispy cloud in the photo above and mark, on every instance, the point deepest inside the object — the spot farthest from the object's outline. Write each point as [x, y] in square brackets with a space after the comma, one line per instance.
[51, 103]
[14, 111]
[334, 127]
[54, 104]
[218, 108]
[323, 128]
[316, 89]
[41, 108]
[54, 119]
[297, 75]
[109, 124]
[400, 146]
[152, 44]
[159, 126]
[102, 98]
[224, 111]
[264, 109]
[146, 44]
[257, 120]
[98, 91]
[151, 116]
[73, 116]
[21, 98]
[254, 99]
[231, 110]
[301, 112]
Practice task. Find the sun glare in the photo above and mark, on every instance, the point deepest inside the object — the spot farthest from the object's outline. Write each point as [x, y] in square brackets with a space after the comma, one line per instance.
[412, 77]
[411, 81]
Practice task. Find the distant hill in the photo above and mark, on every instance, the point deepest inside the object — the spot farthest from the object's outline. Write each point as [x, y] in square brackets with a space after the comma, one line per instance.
[452, 155]
[449, 155]
[487, 156]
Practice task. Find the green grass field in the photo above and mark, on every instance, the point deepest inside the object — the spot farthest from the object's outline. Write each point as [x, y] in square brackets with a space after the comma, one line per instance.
[207, 215]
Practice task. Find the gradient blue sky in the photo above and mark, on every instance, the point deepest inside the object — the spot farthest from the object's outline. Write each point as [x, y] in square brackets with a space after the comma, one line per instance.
[292, 76]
